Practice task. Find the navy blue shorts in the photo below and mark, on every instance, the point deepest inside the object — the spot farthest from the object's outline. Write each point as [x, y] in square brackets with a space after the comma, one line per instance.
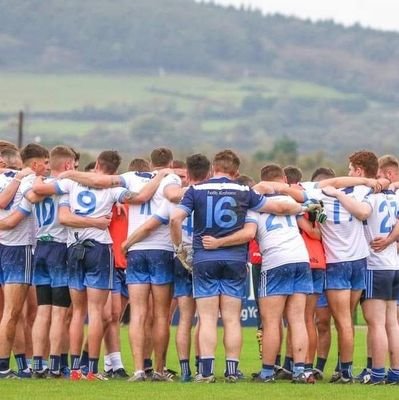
[50, 264]
[286, 280]
[382, 285]
[16, 264]
[153, 267]
[322, 301]
[95, 270]
[183, 285]
[349, 275]
[319, 278]
[215, 278]
[120, 283]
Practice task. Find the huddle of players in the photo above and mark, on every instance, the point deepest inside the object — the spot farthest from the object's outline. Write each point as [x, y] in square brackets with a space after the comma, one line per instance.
[209, 228]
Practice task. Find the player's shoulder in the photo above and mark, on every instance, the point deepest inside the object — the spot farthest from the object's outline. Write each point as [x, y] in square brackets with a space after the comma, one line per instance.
[137, 176]
[171, 179]
[6, 177]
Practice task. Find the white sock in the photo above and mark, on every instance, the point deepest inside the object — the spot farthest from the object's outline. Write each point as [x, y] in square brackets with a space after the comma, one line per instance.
[107, 363]
[116, 360]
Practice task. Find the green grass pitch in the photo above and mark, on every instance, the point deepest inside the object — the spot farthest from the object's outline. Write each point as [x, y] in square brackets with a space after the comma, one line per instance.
[61, 389]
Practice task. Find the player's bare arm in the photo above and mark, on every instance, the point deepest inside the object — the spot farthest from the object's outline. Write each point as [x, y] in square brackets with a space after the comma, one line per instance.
[360, 210]
[12, 220]
[11, 189]
[67, 218]
[381, 243]
[311, 230]
[244, 235]
[176, 220]
[43, 189]
[141, 233]
[346, 181]
[93, 179]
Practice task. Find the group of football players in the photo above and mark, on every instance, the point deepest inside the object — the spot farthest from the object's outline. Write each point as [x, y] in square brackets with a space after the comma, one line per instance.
[77, 247]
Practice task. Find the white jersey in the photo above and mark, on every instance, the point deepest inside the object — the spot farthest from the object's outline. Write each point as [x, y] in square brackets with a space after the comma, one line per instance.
[45, 214]
[22, 234]
[139, 214]
[163, 215]
[91, 203]
[385, 207]
[279, 239]
[342, 234]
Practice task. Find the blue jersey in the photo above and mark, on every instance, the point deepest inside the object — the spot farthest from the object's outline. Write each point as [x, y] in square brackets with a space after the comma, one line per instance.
[220, 206]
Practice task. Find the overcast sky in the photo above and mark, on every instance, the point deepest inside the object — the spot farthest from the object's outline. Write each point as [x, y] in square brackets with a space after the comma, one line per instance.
[379, 14]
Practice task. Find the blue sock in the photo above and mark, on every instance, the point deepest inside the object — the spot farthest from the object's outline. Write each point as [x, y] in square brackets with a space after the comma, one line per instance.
[55, 362]
[231, 366]
[393, 375]
[369, 363]
[207, 365]
[377, 374]
[299, 368]
[93, 365]
[147, 363]
[21, 362]
[309, 367]
[267, 371]
[75, 361]
[288, 362]
[320, 363]
[37, 363]
[185, 367]
[4, 364]
[64, 360]
[84, 359]
[346, 369]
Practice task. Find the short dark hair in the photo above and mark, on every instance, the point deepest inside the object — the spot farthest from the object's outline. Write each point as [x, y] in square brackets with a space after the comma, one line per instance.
[90, 166]
[109, 161]
[34, 150]
[270, 172]
[198, 166]
[76, 153]
[367, 160]
[246, 180]
[226, 161]
[139, 165]
[322, 173]
[161, 157]
[293, 174]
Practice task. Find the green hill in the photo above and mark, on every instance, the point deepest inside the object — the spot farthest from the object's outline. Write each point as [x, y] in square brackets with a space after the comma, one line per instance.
[184, 36]
[136, 74]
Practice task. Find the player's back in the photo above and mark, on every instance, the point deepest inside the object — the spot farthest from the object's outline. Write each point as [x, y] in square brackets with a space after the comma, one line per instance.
[46, 218]
[342, 234]
[385, 206]
[91, 203]
[279, 238]
[220, 206]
